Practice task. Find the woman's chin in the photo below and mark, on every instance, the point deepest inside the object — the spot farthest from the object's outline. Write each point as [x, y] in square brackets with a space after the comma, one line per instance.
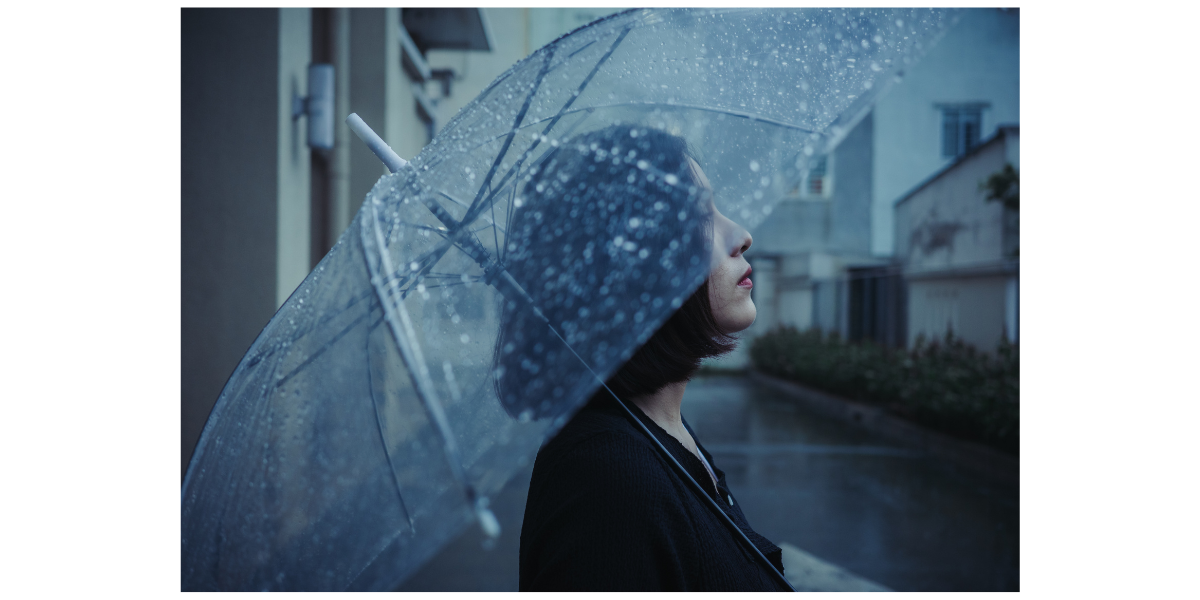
[741, 321]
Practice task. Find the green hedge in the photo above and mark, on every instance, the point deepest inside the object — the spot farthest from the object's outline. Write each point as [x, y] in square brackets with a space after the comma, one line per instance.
[946, 384]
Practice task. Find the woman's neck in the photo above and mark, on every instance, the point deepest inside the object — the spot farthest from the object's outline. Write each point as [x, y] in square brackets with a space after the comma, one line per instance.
[663, 406]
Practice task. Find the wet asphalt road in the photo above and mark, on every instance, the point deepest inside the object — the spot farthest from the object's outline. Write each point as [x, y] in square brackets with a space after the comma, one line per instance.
[878, 509]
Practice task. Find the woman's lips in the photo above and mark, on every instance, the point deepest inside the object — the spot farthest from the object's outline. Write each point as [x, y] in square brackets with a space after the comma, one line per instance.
[745, 282]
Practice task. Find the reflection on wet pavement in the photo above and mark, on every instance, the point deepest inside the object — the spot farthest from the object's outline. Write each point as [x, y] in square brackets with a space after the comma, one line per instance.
[870, 506]
[879, 510]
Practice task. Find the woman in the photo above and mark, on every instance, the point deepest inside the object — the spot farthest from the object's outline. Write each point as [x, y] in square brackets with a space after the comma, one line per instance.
[606, 510]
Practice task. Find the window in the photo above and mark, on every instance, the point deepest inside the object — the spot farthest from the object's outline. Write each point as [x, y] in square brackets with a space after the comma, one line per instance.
[817, 180]
[818, 183]
[961, 127]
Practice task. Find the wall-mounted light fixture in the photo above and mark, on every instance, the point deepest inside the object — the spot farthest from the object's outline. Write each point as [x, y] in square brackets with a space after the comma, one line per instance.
[318, 106]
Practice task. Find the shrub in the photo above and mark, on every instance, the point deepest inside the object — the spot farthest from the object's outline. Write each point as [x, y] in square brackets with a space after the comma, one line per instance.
[945, 384]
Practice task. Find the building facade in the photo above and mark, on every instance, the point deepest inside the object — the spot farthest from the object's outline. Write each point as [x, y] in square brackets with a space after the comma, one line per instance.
[828, 257]
[958, 252]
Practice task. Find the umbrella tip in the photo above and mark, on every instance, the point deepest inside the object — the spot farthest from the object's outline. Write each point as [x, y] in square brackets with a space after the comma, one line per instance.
[487, 519]
[385, 153]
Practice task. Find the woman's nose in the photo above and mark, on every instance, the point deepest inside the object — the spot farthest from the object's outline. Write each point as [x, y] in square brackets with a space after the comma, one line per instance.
[744, 240]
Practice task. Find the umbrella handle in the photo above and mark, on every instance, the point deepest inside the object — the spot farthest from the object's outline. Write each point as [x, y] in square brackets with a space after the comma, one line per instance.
[375, 143]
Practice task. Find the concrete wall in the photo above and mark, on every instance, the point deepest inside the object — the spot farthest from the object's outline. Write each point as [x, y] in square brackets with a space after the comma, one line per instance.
[293, 231]
[514, 34]
[238, 154]
[369, 98]
[972, 307]
[246, 198]
[839, 223]
[850, 208]
[508, 30]
[951, 242]
[977, 61]
[949, 223]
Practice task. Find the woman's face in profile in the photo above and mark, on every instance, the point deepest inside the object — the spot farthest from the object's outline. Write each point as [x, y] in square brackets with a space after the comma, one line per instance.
[729, 282]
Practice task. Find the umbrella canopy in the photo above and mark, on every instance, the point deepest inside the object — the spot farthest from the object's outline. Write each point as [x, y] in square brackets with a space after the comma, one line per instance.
[485, 291]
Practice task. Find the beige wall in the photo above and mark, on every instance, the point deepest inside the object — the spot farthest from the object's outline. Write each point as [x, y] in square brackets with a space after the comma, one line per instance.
[950, 240]
[796, 306]
[292, 173]
[403, 129]
[948, 223]
[974, 308]
[508, 29]
[233, 144]
[246, 200]
[514, 34]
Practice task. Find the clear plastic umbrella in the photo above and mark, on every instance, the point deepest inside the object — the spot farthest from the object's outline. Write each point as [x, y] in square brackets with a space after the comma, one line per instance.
[431, 352]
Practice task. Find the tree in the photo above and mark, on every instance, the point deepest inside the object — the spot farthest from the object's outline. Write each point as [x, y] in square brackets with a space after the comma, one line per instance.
[1004, 186]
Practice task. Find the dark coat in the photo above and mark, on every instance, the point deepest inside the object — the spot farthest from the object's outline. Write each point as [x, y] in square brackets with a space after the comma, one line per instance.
[607, 512]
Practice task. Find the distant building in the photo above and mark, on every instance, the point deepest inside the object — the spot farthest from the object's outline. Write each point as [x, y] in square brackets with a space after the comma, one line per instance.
[828, 256]
[958, 252]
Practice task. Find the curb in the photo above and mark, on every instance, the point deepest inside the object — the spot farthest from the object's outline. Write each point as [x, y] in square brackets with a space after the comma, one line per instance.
[808, 573]
[970, 455]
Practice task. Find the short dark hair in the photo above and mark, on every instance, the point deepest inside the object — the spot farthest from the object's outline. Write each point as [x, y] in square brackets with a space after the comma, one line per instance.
[581, 195]
[674, 352]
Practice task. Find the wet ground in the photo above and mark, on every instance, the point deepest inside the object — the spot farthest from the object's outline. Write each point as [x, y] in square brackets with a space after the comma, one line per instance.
[875, 508]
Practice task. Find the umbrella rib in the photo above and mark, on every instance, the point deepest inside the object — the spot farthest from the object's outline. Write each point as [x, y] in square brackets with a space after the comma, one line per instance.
[587, 112]
[508, 223]
[495, 234]
[734, 113]
[512, 133]
[401, 326]
[521, 116]
[438, 285]
[319, 351]
[255, 359]
[503, 230]
[406, 280]
[383, 439]
[586, 80]
[438, 230]
[741, 114]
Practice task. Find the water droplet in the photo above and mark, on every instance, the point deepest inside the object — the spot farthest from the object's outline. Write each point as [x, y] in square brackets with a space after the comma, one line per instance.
[754, 166]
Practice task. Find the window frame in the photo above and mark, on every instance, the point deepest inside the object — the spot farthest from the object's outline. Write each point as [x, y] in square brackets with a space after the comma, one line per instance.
[960, 141]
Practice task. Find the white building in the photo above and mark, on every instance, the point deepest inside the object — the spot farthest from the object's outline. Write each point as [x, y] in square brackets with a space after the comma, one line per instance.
[958, 251]
[825, 259]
